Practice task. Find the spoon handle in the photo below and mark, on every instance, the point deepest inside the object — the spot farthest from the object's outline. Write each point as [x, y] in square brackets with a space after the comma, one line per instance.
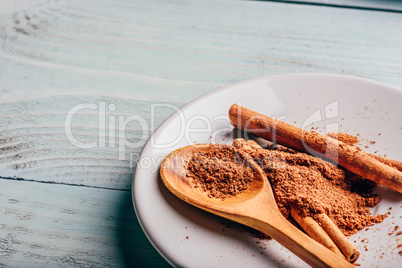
[312, 252]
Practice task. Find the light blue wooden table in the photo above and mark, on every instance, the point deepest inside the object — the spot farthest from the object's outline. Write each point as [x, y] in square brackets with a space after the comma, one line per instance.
[78, 84]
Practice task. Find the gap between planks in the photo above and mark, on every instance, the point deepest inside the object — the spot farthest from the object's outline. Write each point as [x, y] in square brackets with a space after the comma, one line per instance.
[367, 8]
[63, 183]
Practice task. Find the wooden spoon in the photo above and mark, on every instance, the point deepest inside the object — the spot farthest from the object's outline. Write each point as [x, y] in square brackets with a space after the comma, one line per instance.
[254, 207]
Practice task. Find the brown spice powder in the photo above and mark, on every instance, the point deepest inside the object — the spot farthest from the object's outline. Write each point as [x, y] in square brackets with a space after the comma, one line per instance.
[344, 137]
[307, 183]
[219, 172]
[312, 186]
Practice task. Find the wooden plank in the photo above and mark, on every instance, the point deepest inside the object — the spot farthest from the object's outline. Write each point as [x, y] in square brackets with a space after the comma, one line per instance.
[384, 5]
[35, 145]
[46, 225]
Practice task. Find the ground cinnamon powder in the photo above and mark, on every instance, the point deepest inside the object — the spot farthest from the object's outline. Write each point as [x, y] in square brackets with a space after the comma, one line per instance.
[307, 183]
[312, 186]
[220, 172]
[344, 137]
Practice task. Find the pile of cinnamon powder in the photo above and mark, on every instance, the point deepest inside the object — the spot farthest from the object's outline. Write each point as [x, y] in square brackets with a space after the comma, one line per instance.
[312, 186]
[307, 183]
[219, 172]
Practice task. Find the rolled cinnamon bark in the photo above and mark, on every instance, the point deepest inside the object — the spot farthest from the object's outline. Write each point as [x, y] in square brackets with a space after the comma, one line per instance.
[338, 237]
[315, 231]
[389, 162]
[347, 156]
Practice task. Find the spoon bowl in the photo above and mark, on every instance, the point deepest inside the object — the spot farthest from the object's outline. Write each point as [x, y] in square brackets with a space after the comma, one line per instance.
[254, 207]
[174, 176]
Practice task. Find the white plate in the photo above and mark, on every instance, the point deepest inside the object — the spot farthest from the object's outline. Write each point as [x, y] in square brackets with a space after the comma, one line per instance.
[188, 237]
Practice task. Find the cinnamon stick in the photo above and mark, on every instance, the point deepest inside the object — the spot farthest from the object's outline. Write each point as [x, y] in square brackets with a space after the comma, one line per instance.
[301, 140]
[389, 162]
[315, 231]
[338, 237]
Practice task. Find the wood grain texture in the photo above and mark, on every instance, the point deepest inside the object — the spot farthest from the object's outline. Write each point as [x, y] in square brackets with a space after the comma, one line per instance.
[34, 144]
[167, 51]
[133, 54]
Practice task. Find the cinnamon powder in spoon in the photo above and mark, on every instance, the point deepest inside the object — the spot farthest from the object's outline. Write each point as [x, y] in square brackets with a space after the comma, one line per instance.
[219, 172]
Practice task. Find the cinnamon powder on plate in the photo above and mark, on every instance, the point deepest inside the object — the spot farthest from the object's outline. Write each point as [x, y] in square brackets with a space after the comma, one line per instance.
[313, 186]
